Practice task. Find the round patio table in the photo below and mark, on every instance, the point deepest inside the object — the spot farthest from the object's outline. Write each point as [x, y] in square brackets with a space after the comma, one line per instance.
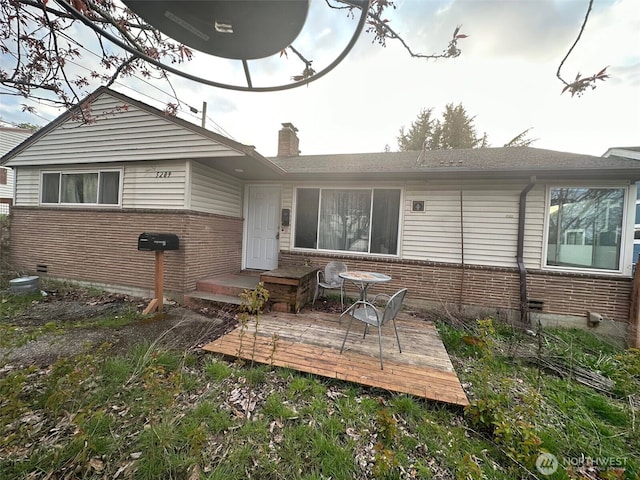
[363, 280]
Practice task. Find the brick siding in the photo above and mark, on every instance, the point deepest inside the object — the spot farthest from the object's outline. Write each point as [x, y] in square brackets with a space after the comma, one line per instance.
[576, 294]
[101, 245]
[213, 246]
[490, 287]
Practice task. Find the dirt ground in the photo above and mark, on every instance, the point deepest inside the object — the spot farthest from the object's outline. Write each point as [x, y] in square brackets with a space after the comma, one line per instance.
[69, 314]
[69, 317]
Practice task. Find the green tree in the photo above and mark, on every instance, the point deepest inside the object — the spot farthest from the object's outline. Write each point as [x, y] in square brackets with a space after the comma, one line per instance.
[420, 135]
[28, 126]
[456, 129]
[521, 140]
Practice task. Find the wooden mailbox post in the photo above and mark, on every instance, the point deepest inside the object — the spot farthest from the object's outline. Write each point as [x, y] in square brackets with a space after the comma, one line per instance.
[158, 243]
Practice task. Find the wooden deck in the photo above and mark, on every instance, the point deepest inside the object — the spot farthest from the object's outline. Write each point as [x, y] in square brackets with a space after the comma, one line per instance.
[310, 342]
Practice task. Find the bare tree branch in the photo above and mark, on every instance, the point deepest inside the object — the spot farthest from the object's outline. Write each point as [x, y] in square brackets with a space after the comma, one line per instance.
[36, 35]
[580, 84]
[382, 30]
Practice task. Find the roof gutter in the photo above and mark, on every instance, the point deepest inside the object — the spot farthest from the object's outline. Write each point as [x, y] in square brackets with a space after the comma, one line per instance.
[524, 296]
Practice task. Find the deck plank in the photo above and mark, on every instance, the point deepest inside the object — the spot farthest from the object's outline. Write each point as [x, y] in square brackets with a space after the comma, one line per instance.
[311, 343]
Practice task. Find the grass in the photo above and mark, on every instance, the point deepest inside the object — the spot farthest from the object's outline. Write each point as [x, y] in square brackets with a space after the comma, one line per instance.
[14, 334]
[153, 413]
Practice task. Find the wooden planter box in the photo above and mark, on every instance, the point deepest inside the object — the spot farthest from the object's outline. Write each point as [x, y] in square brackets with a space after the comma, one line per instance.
[290, 288]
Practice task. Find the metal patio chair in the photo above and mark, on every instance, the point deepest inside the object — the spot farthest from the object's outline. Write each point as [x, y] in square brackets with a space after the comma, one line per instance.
[371, 315]
[330, 278]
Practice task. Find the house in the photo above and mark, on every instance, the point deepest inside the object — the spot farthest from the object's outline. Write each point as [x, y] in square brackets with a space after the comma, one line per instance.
[9, 138]
[515, 229]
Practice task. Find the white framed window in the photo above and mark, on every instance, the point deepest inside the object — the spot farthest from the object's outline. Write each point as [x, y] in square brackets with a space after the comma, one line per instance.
[574, 237]
[636, 236]
[101, 187]
[351, 220]
[584, 228]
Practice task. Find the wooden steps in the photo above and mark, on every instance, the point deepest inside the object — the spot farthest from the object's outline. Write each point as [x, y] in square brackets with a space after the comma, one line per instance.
[224, 289]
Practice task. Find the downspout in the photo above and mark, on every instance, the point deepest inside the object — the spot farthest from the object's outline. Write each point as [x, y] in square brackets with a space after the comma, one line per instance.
[524, 296]
[461, 301]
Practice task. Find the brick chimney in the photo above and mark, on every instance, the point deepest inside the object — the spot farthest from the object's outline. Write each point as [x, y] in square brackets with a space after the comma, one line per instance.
[288, 141]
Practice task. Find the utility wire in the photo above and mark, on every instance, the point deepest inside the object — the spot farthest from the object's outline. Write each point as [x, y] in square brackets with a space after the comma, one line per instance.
[7, 90]
[192, 110]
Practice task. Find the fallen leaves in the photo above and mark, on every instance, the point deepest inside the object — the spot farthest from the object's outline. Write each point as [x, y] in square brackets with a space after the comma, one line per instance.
[244, 399]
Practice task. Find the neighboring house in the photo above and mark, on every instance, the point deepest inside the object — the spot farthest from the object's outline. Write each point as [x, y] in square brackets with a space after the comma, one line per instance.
[9, 138]
[496, 229]
[632, 153]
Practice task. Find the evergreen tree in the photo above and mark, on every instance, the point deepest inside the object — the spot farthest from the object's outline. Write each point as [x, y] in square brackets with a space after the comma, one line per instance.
[521, 140]
[456, 129]
[421, 131]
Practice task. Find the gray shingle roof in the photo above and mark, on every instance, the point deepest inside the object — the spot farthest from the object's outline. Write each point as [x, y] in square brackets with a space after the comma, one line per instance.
[505, 160]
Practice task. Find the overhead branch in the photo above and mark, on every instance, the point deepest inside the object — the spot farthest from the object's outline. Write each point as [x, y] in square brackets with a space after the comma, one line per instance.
[35, 34]
[580, 83]
[381, 29]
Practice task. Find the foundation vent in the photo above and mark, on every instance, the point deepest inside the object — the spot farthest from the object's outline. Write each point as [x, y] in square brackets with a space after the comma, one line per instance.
[535, 305]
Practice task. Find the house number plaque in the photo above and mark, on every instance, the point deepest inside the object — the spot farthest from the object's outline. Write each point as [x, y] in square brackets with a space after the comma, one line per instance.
[163, 174]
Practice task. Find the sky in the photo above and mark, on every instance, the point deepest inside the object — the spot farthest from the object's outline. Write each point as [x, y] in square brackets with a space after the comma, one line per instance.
[505, 78]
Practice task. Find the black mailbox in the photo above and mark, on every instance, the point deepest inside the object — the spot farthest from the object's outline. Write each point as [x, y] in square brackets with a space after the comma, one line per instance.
[154, 242]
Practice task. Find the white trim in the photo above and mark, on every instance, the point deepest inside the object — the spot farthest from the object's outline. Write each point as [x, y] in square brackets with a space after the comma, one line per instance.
[624, 251]
[61, 172]
[623, 152]
[294, 201]
[245, 215]
[188, 183]
[574, 230]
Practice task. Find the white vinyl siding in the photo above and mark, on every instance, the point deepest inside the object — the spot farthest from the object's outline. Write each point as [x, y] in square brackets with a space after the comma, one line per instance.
[490, 227]
[27, 187]
[158, 185]
[214, 192]
[6, 189]
[490, 224]
[433, 234]
[142, 187]
[121, 132]
[286, 199]
[9, 138]
[534, 233]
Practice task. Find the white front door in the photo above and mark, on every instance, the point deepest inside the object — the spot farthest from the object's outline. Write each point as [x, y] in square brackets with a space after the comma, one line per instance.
[263, 228]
